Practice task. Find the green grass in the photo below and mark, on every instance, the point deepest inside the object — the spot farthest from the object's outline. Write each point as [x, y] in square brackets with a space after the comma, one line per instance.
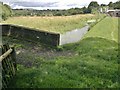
[93, 66]
[108, 29]
[58, 24]
[93, 63]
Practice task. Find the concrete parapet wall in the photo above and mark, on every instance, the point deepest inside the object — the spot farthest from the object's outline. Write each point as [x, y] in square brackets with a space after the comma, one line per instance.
[35, 35]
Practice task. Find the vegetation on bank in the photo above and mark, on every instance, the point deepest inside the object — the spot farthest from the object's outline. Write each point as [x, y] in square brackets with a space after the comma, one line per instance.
[92, 62]
[107, 28]
[5, 11]
[59, 24]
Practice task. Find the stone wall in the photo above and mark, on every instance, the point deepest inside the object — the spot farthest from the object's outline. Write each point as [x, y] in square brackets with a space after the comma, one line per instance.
[35, 35]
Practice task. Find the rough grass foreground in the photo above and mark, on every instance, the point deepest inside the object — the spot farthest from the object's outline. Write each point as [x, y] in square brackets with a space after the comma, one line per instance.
[58, 24]
[93, 63]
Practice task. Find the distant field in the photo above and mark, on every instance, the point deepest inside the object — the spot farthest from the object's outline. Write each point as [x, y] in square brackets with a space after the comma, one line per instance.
[58, 24]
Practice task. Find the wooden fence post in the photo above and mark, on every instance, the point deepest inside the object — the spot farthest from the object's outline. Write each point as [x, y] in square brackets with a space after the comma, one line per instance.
[8, 62]
[14, 57]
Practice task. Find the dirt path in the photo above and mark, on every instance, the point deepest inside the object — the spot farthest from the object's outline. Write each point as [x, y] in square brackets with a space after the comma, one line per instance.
[29, 54]
[32, 57]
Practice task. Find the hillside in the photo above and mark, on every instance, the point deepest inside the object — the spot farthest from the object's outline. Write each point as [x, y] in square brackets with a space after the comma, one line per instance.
[90, 63]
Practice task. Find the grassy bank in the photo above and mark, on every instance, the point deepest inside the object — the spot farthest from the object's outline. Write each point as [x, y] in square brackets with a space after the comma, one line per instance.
[90, 63]
[108, 29]
[58, 24]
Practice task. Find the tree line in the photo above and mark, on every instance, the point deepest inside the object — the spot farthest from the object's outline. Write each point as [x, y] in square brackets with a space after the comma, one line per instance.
[93, 6]
[115, 5]
[48, 12]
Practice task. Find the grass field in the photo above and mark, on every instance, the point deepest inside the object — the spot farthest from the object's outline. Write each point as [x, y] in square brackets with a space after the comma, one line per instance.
[58, 24]
[107, 29]
[90, 63]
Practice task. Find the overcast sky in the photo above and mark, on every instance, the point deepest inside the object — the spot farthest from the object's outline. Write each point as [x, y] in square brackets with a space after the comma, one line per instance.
[51, 4]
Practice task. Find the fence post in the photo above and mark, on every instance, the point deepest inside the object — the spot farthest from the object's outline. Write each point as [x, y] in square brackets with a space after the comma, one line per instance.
[14, 57]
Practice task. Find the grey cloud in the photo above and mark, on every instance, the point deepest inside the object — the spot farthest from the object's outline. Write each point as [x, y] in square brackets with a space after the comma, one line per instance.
[35, 4]
[71, 4]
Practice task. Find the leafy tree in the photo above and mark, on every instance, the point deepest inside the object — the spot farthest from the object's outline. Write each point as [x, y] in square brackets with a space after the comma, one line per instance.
[117, 5]
[110, 4]
[93, 4]
[86, 10]
[103, 5]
